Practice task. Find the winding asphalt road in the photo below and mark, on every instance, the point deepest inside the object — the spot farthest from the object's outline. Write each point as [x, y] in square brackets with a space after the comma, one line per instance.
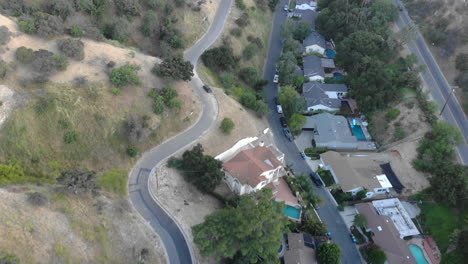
[328, 211]
[440, 88]
[178, 247]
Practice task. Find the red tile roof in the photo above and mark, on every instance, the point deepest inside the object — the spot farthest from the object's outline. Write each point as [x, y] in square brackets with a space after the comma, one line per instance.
[283, 193]
[248, 165]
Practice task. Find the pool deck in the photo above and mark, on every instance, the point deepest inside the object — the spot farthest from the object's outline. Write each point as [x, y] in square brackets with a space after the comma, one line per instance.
[432, 255]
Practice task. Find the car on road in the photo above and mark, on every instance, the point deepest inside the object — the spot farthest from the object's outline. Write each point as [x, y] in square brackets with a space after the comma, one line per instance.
[288, 134]
[303, 155]
[286, 8]
[353, 238]
[279, 109]
[277, 101]
[401, 8]
[283, 121]
[207, 89]
[276, 78]
[315, 178]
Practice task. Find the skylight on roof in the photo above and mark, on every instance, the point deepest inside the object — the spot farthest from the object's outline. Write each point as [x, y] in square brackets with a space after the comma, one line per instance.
[268, 162]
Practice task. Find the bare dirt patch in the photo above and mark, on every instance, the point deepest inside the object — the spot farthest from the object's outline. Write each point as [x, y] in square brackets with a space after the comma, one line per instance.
[71, 229]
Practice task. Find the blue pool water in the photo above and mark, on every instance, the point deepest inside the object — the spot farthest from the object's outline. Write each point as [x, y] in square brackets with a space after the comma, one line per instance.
[418, 254]
[330, 53]
[358, 133]
[292, 212]
[338, 76]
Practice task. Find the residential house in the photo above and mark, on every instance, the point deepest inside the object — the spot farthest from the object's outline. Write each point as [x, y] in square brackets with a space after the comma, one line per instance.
[313, 69]
[390, 224]
[306, 5]
[356, 174]
[323, 96]
[300, 249]
[314, 42]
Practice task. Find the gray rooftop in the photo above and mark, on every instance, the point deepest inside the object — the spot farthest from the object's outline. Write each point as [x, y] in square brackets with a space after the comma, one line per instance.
[314, 38]
[315, 94]
[331, 131]
[313, 66]
[327, 63]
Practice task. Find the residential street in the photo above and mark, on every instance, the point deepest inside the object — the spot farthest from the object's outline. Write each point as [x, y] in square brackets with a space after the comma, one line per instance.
[440, 89]
[173, 238]
[328, 212]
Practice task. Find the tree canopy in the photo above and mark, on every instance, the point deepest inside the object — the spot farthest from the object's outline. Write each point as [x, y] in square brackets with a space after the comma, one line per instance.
[175, 67]
[291, 101]
[220, 59]
[251, 231]
[329, 253]
[360, 220]
[296, 122]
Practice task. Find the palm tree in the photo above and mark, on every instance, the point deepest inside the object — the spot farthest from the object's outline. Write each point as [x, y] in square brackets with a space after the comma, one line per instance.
[360, 220]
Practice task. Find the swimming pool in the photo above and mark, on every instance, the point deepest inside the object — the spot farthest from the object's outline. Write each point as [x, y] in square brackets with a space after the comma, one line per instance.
[330, 53]
[358, 133]
[418, 254]
[338, 76]
[292, 212]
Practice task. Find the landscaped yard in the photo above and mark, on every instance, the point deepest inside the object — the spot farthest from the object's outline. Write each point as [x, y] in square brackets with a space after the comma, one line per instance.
[326, 176]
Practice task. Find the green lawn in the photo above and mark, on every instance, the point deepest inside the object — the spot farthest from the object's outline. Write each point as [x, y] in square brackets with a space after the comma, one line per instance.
[327, 177]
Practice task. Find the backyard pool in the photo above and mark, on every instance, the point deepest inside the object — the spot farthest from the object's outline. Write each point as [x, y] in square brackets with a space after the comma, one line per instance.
[358, 133]
[418, 254]
[330, 53]
[338, 76]
[292, 212]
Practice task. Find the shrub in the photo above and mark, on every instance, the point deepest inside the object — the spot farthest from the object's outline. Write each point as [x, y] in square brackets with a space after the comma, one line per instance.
[249, 51]
[220, 59]
[461, 62]
[62, 8]
[400, 133]
[117, 30]
[75, 31]
[61, 62]
[179, 3]
[71, 48]
[28, 26]
[243, 20]
[174, 103]
[132, 151]
[70, 137]
[125, 75]
[392, 114]
[158, 105]
[255, 40]
[78, 181]
[174, 67]
[236, 32]
[248, 75]
[169, 93]
[240, 4]
[24, 55]
[37, 199]
[127, 7]
[4, 68]
[437, 36]
[227, 125]
[150, 25]
[50, 26]
[227, 80]
[7, 258]
[462, 80]
[115, 181]
[4, 35]
[259, 84]
[329, 253]
[43, 62]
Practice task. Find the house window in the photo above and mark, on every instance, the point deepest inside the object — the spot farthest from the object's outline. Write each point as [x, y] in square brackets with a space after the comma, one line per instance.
[263, 183]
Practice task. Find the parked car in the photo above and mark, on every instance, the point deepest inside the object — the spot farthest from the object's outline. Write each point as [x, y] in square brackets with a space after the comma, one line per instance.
[353, 238]
[279, 109]
[276, 101]
[283, 121]
[207, 88]
[286, 8]
[276, 78]
[401, 8]
[296, 15]
[303, 155]
[314, 177]
[288, 134]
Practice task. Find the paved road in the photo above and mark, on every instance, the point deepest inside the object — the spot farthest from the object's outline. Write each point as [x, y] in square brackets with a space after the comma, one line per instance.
[435, 79]
[327, 211]
[178, 248]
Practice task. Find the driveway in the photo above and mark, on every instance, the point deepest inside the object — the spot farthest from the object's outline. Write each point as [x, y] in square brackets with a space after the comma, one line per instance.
[178, 248]
[435, 79]
[327, 211]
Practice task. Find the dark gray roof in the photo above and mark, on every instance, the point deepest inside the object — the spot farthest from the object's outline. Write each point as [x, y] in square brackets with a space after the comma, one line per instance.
[314, 94]
[314, 38]
[332, 131]
[313, 66]
[328, 63]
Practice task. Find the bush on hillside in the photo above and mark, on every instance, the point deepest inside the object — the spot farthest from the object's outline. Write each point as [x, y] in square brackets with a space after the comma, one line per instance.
[248, 75]
[249, 51]
[27, 25]
[4, 35]
[127, 7]
[149, 24]
[243, 20]
[72, 48]
[24, 55]
[76, 31]
[461, 62]
[136, 129]
[125, 75]
[227, 125]
[62, 8]
[50, 27]
[392, 114]
[174, 67]
[117, 30]
[115, 181]
[37, 199]
[78, 181]
[4, 68]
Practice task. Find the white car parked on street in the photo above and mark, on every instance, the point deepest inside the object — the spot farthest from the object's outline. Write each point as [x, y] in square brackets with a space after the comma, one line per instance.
[279, 109]
[276, 78]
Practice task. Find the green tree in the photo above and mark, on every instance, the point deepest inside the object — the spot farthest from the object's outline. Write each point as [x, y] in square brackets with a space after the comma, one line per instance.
[201, 170]
[253, 230]
[287, 66]
[227, 125]
[360, 220]
[174, 67]
[287, 29]
[451, 181]
[329, 253]
[296, 122]
[291, 101]
[24, 55]
[292, 45]
[125, 75]
[301, 31]
[314, 227]
[249, 75]
[220, 59]
[8, 258]
[115, 181]
[375, 256]
[249, 51]
[75, 31]
[437, 147]
[302, 184]
[149, 24]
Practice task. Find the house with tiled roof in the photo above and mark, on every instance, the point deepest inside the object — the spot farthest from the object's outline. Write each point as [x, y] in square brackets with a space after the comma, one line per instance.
[252, 169]
[323, 96]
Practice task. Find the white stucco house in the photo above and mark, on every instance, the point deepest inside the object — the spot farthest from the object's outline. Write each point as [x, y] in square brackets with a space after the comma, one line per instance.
[314, 42]
[356, 174]
[306, 5]
[252, 169]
